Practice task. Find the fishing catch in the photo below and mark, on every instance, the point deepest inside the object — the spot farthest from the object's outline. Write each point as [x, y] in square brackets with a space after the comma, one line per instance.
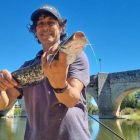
[33, 75]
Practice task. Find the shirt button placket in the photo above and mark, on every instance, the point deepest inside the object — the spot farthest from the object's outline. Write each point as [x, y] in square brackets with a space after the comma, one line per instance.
[60, 118]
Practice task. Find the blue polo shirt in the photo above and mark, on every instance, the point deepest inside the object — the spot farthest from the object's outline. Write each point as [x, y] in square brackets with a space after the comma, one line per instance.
[47, 118]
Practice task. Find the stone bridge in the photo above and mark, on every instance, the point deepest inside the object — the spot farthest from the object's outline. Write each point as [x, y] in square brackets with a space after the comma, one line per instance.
[110, 89]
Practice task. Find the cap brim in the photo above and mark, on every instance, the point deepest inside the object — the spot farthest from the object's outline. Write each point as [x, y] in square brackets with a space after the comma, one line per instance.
[37, 12]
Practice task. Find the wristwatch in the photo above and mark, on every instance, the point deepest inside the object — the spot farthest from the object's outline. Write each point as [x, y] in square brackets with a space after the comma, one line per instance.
[60, 90]
[0, 93]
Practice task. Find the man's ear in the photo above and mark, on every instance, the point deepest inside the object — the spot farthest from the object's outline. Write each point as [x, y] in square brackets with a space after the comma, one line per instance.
[60, 29]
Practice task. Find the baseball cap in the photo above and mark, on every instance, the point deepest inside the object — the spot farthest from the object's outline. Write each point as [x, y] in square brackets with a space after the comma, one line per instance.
[46, 9]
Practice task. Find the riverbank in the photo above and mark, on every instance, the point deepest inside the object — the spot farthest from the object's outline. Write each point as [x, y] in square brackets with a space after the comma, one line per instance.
[130, 113]
[129, 117]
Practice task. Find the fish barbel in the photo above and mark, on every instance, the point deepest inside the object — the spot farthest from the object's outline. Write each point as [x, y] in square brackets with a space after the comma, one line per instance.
[33, 75]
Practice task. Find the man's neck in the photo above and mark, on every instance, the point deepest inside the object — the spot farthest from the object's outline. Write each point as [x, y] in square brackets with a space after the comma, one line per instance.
[46, 47]
[49, 46]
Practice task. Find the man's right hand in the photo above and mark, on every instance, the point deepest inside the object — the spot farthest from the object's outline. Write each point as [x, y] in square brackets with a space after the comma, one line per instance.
[6, 80]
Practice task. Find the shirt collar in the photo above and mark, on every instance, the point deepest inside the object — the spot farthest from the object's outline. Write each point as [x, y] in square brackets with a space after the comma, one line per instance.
[39, 54]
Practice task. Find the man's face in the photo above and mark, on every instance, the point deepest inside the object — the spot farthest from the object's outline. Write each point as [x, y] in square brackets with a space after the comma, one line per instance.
[48, 30]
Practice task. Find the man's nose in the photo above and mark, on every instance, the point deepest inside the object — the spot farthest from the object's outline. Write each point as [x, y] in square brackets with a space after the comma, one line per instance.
[45, 26]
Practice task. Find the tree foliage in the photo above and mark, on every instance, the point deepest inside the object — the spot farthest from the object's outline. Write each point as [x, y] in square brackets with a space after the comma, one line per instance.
[132, 100]
[92, 109]
[138, 104]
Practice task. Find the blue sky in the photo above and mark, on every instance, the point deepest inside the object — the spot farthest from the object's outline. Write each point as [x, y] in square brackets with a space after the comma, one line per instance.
[112, 26]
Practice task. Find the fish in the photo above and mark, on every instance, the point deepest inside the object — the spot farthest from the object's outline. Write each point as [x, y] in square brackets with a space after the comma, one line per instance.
[33, 75]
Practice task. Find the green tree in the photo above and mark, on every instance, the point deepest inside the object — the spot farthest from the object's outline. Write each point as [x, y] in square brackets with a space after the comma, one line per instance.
[132, 100]
[138, 104]
[137, 95]
[92, 110]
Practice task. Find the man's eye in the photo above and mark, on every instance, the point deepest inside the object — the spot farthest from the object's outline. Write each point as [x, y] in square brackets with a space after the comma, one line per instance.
[40, 24]
[51, 23]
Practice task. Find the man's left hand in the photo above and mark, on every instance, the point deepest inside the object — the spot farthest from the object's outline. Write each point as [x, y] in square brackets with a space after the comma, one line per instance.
[56, 72]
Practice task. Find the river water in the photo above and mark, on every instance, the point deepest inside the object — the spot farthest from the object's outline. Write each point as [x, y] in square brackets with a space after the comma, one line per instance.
[14, 128]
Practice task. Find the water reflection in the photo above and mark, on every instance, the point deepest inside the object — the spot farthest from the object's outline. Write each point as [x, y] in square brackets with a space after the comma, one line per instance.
[129, 130]
[133, 129]
[12, 128]
[90, 123]
[114, 125]
[93, 126]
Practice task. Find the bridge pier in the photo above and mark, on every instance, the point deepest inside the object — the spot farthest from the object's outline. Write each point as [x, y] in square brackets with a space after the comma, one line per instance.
[23, 113]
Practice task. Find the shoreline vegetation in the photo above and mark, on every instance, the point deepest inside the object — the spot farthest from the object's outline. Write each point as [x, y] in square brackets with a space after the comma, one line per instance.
[130, 113]
[17, 111]
[130, 106]
[128, 117]
[92, 109]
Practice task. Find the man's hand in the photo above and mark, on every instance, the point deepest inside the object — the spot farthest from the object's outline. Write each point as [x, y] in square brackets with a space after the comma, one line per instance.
[57, 76]
[8, 94]
[57, 71]
[6, 80]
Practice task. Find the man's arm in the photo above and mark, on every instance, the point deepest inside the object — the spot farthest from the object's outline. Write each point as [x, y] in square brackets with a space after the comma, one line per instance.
[8, 92]
[57, 75]
[7, 97]
[71, 96]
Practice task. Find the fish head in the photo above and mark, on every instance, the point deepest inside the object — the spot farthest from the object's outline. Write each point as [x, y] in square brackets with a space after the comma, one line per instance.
[74, 44]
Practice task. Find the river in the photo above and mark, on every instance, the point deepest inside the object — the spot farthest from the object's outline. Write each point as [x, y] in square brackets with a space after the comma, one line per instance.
[14, 128]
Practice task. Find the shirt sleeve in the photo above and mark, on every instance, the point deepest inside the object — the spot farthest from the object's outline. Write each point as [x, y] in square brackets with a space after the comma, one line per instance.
[21, 92]
[80, 69]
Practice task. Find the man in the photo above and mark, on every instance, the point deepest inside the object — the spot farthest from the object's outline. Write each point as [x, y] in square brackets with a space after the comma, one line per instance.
[56, 109]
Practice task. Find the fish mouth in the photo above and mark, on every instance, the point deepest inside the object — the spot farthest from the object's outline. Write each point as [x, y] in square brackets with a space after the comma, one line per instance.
[78, 35]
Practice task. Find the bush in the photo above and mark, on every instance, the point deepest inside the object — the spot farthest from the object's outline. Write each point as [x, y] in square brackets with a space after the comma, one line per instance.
[138, 112]
[17, 111]
[127, 113]
[130, 111]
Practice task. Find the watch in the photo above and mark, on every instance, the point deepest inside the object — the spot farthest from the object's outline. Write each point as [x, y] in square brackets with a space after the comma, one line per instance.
[60, 90]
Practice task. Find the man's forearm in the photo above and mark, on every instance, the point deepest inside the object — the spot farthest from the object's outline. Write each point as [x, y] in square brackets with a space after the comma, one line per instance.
[70, 97]
[4, 100]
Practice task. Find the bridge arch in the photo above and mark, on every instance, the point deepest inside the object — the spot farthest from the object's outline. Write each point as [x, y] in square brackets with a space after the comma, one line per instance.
[121, 95]
[110, 89]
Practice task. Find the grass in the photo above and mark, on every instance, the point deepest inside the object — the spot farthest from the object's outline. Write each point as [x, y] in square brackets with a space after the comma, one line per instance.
[129, 116]
[17, 111]
[133, 116]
